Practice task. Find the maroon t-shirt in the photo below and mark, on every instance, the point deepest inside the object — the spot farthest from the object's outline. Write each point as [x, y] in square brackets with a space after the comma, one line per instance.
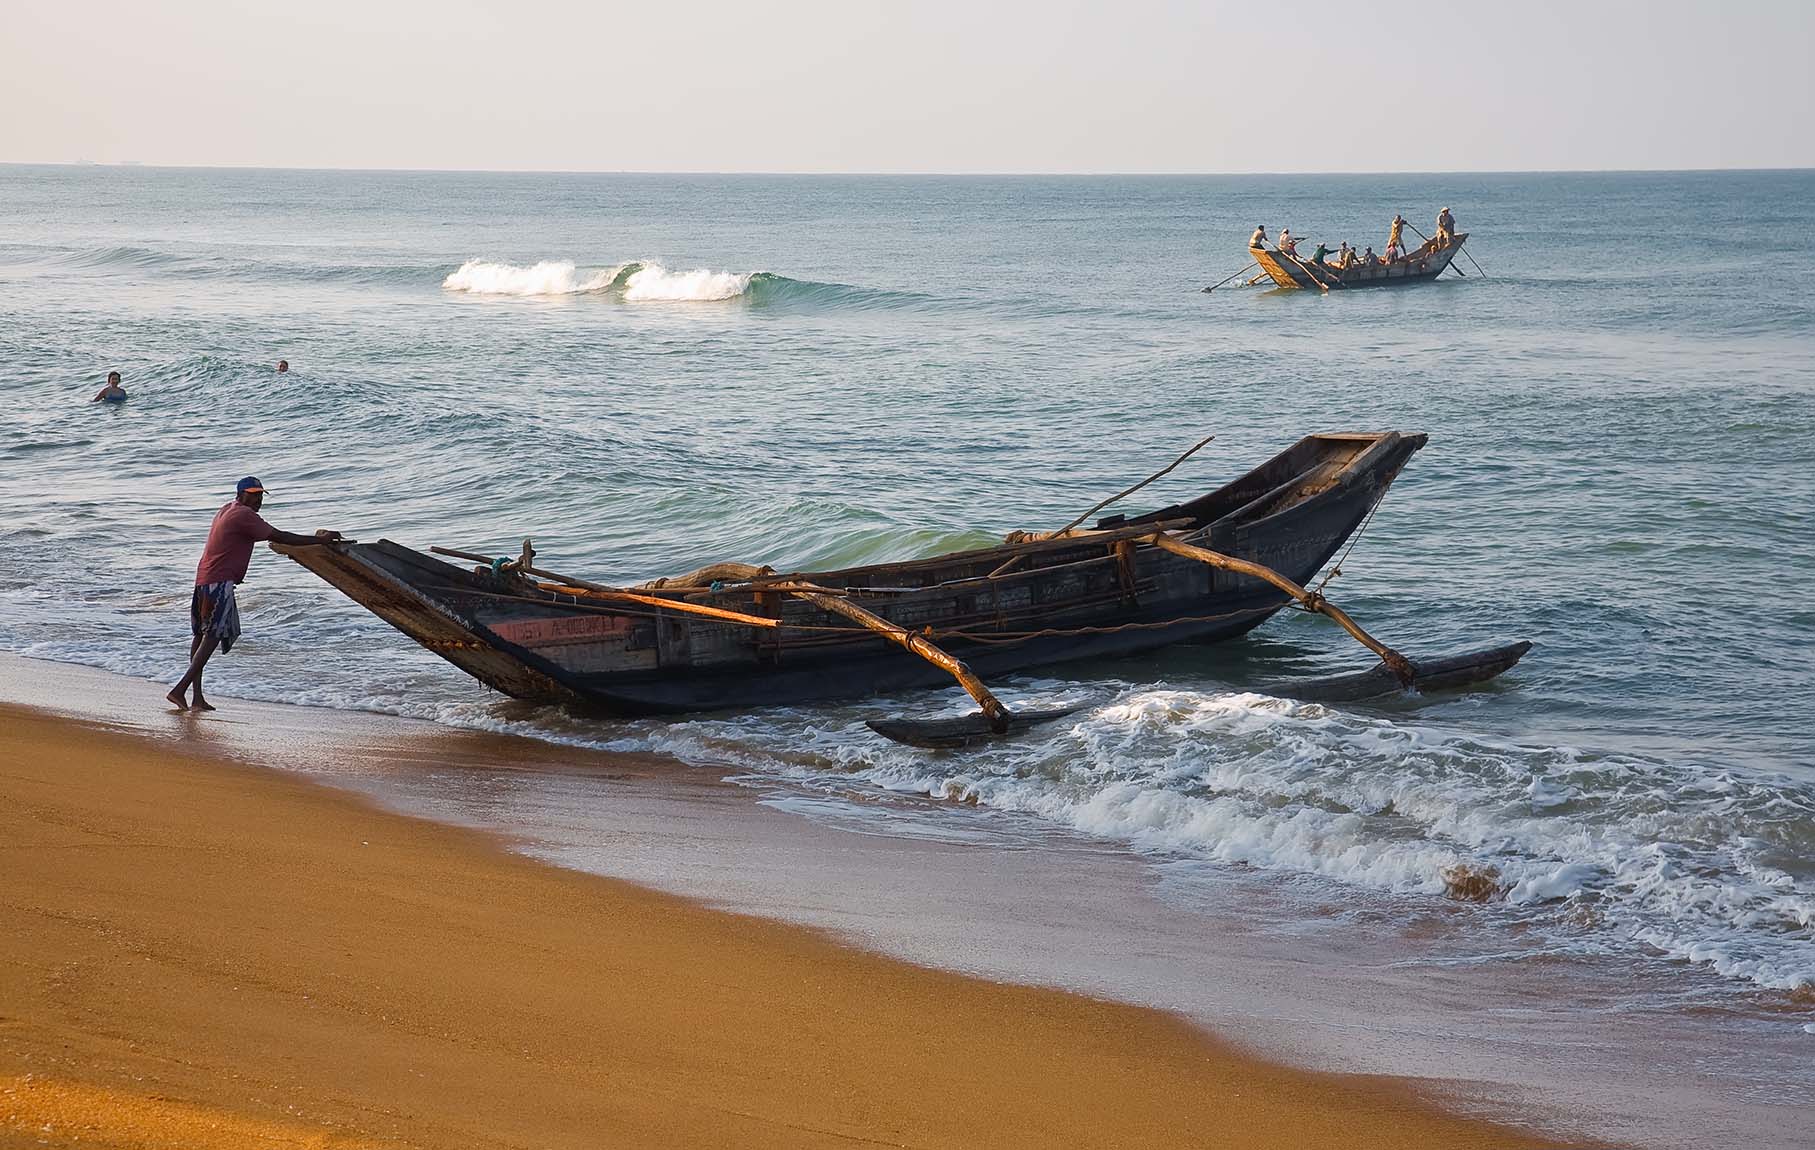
[229, 550]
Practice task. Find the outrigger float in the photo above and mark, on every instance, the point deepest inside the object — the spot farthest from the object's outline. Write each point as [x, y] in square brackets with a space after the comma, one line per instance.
[735, 635]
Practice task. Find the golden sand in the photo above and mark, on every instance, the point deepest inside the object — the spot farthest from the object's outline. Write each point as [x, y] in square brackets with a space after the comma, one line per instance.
[200, 954]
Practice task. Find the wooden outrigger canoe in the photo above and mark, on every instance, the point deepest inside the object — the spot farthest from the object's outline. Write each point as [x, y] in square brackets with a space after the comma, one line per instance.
[736, 636]
[1426, 262]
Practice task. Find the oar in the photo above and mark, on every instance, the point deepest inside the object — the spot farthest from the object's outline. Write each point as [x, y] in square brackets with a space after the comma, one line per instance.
[1221, 282]
[1304, 268]
[1471, 259]
[1459, 247]
[1116, 498]
[1452, 263]
[1121, 495]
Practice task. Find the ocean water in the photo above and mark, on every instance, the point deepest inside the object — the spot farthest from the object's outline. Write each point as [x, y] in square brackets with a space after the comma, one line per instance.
[647, 373]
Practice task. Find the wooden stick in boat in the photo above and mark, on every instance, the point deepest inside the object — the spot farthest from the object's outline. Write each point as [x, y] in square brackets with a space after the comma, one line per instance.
[515, 566]
[1013, 562]
[1428, 244]
[453, 554]
[1452, 263]
[1311, 600]
[1110, 535]
[1221, 282]
[1305, 268]
[664, 592]
[601, 591]
[1120, 495]
[992, 707]
[686, 608]
[1471, 259]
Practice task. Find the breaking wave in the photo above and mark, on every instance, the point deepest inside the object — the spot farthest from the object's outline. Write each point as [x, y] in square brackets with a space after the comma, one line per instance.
[635, 282]
[550, 277]
[655, 282]
[647, 281]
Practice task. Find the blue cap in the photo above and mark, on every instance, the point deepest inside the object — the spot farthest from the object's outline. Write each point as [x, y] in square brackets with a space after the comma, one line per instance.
[250, 485]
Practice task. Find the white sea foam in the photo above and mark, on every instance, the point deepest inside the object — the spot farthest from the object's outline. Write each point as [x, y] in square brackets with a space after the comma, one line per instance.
[550, 277]
[1655, 856]
[641, 281]
[652, 282]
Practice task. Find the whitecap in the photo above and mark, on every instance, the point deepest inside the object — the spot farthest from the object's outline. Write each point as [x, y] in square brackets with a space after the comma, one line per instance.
[653, 282]
[549, 277]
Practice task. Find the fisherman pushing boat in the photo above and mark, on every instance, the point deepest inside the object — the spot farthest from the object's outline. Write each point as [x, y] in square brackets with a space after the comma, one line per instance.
[213, 605]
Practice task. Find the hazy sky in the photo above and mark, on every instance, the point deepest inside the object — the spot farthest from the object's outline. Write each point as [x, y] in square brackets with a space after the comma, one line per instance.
[910, 85]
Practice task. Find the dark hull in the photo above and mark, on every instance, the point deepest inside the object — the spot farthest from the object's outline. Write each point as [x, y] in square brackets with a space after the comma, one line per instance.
[1108, 593]
[1424, 263]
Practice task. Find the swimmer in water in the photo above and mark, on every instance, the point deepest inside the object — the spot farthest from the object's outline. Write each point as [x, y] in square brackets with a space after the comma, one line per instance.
[113, 392]
[283, 365]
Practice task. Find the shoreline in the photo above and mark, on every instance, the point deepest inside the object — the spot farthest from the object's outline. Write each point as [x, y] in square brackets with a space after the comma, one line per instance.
[197, 942]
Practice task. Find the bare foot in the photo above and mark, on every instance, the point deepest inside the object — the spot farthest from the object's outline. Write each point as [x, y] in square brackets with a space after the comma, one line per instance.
[201, 704]
[177, 700]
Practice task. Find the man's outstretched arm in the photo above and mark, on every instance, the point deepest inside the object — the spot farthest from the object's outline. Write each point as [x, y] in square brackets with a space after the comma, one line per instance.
[290, 539]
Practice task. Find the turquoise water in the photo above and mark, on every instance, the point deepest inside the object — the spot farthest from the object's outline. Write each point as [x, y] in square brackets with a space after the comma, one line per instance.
[647, 373]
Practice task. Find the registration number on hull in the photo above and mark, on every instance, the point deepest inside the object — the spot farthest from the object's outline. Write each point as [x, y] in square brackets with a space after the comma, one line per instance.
[555, 632]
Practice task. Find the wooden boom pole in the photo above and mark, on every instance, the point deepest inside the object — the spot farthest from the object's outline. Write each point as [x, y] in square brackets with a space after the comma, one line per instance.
[1310, 600]
[1221, 282]
[992, 707]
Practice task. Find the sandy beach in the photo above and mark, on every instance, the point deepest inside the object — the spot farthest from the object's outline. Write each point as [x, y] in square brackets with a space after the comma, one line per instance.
[204, 953]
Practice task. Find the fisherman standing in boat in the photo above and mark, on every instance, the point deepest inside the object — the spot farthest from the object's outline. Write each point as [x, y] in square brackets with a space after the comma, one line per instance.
[1258, 241]
[1395, 249]
[213, 610]
[1287, 244]
[1446, 228]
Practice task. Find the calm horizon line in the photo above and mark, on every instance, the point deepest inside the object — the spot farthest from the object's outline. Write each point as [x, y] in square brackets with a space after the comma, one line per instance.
[904, 174]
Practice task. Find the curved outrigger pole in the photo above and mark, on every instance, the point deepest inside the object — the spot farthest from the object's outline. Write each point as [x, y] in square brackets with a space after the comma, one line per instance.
[1398, 664]
[991, 708]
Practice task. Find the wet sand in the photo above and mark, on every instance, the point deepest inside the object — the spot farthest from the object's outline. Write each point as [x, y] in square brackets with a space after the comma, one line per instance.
[203, 952]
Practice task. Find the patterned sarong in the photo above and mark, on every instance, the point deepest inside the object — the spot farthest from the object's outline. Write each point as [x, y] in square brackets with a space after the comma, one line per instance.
[213, 610]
